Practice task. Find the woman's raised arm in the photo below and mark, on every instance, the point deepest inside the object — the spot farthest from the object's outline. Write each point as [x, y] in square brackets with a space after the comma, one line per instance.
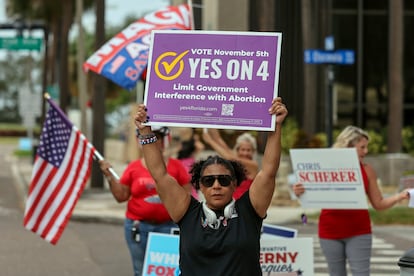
[263, 186]
[175, 198]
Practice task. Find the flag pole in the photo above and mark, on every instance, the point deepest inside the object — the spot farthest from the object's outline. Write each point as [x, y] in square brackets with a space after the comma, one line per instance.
[97, 155]
[190, 4]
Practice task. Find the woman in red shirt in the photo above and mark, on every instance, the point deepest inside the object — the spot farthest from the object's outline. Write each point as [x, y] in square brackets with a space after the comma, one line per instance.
[346, 234]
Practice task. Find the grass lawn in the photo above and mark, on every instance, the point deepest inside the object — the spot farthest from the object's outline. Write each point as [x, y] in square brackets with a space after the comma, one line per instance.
[15, 141]
[400, 214]
[395, 215]
[9, 140]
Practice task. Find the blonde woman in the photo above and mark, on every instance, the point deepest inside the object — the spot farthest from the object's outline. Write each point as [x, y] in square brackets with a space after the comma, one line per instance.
[347, 234]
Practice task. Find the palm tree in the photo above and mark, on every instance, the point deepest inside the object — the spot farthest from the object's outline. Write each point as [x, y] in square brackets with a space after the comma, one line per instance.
[310, 76]
[395, 73]
[80, 58]
[98, 100]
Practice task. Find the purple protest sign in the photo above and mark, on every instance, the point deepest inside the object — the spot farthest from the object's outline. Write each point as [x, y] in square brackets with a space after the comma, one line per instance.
[213, 79]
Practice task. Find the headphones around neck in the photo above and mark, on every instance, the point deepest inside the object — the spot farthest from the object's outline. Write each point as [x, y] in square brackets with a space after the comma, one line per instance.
[211, 217]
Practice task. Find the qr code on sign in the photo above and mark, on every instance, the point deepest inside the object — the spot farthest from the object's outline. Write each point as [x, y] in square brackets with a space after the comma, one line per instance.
[227, 109]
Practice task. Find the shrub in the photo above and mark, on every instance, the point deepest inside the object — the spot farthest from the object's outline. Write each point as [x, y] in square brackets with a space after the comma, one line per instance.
[377, 143]
[293, 137]
[15, 130]
[408, 139]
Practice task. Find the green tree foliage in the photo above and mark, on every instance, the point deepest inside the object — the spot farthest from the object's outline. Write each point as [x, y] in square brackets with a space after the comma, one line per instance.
[377, 143]
[293, 137]
[408, 139]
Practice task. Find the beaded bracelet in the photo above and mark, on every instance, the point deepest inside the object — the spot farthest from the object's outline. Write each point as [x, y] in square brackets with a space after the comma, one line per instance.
[145, 136]
[148, 140]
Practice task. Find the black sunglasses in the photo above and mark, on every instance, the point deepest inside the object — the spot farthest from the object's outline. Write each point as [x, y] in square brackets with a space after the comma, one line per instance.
[223, 179]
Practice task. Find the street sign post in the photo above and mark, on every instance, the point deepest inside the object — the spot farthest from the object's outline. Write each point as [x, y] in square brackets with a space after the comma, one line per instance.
[330, 57]
[20, 43]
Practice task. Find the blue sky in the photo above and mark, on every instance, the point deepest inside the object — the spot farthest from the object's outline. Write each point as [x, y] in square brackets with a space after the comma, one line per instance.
[116, 10]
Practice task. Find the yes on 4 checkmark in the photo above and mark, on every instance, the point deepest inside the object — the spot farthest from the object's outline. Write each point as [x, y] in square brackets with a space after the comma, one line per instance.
[172, 68]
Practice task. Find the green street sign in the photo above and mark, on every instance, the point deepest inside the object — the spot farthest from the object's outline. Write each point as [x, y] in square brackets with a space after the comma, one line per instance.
[20, 43]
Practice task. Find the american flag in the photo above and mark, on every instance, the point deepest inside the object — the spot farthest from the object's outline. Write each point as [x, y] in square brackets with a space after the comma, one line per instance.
[61, 169]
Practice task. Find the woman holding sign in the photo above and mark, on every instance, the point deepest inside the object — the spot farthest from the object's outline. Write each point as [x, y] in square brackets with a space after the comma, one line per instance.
[347, 234]
[219, 236]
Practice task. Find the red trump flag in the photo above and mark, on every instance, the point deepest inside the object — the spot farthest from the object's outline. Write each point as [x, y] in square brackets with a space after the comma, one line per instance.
[124, 58]
[61, 169]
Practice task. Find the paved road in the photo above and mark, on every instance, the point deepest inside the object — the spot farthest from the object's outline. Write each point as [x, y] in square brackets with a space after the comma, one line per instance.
[389, 244]
[93, 249]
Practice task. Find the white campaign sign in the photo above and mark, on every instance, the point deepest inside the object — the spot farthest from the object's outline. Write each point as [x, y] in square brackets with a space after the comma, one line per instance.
[332, 178]
[286, 257]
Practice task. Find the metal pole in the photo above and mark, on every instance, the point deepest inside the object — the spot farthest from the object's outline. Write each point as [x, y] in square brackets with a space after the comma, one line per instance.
[359, 88]
[329, 46]
[328, 104]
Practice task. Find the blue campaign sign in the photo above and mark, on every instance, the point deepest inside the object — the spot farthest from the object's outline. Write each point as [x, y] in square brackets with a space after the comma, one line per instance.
[162, 255]
[346, 57]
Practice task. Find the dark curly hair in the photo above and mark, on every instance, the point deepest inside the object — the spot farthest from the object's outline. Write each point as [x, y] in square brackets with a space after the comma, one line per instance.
[236, 169]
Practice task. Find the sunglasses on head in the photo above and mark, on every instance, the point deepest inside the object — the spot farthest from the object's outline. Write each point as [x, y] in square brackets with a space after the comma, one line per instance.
[224, 180]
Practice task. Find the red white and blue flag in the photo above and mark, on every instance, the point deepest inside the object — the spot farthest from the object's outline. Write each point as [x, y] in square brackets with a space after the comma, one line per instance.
[61, 169]
[124, 57]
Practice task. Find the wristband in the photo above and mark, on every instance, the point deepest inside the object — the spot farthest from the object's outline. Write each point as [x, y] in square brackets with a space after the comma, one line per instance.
[145, 136]
[148, 140]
